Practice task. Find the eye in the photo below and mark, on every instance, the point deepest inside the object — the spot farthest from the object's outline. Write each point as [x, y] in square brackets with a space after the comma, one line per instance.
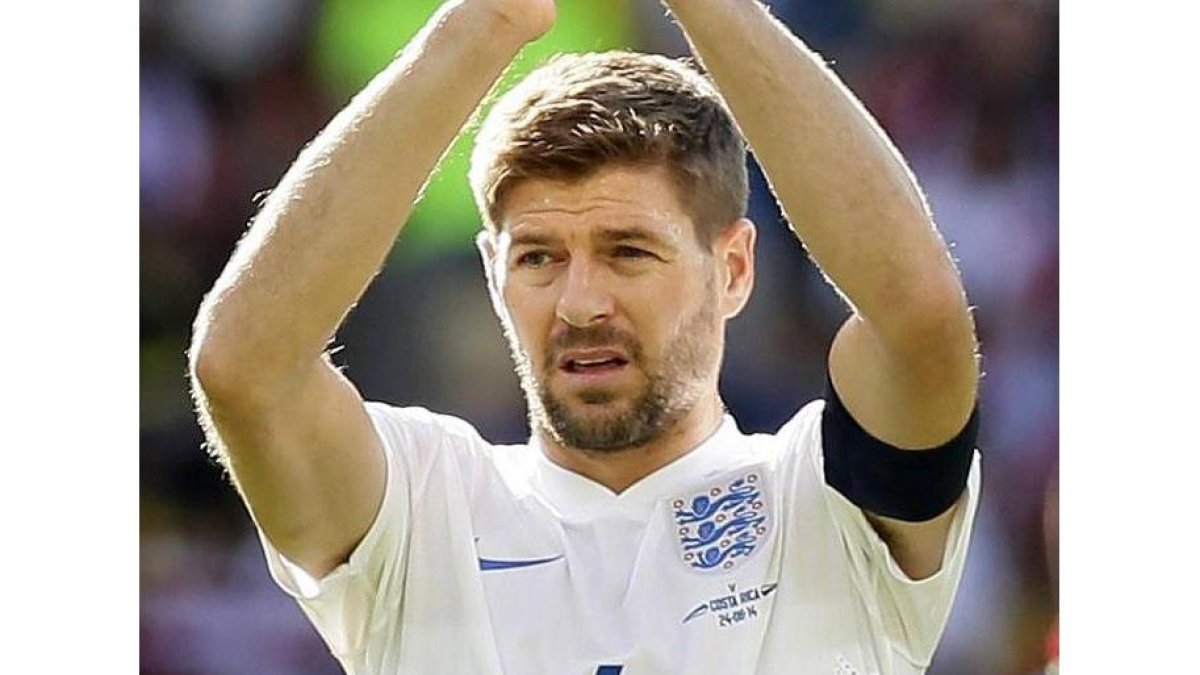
[533, 259]
[632, 253]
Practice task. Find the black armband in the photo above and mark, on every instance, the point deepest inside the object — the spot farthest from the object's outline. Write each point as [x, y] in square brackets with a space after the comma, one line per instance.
[888, 481]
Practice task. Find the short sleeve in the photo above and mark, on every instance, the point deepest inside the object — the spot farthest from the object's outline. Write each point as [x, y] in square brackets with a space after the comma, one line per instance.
[361, 595]
[913, 613]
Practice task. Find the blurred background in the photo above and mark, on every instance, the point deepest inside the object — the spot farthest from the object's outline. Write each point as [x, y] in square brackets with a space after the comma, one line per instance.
[230, 90]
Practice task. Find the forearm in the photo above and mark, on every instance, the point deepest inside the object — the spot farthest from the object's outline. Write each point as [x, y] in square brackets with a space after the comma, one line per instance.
[326, 228]
[844, 188]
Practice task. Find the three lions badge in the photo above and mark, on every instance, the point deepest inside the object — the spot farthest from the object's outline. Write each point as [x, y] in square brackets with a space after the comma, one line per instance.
[720, 527]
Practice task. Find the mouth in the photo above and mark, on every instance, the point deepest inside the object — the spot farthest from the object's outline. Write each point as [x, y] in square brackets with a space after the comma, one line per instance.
[592, 362]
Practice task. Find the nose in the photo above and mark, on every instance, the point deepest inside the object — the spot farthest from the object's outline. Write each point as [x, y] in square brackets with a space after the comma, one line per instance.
[584, 299]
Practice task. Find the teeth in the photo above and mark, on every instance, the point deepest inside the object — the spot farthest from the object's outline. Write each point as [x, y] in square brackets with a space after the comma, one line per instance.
[591, 362]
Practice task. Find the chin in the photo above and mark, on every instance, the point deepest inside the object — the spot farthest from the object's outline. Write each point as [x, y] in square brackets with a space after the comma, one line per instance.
[583, 410]
[621, 424]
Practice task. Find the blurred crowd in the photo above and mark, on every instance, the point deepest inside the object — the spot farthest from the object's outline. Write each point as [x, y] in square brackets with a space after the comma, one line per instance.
[230, 90]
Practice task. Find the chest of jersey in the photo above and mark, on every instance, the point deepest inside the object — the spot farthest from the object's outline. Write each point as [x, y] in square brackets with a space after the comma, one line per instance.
[710, 578]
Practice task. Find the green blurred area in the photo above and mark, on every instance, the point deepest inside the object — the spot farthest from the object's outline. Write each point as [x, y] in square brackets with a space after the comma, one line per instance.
[356, 39]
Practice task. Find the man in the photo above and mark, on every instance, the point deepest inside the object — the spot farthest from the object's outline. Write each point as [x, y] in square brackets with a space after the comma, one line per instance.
[639, 531]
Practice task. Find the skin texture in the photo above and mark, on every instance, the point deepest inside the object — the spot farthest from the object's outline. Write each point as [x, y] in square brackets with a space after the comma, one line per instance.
[611, 266]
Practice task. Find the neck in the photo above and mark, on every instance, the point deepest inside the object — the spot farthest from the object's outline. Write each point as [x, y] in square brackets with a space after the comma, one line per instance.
[617, 470]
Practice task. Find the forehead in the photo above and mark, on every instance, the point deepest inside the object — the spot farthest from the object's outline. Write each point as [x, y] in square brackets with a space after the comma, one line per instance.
[615, 197]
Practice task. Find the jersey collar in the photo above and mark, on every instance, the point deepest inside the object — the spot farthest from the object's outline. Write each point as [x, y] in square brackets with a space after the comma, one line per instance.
[577, 497]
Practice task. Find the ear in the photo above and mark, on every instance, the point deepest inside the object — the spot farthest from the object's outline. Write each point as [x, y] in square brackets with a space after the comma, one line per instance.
[489, 251]
[733, 252]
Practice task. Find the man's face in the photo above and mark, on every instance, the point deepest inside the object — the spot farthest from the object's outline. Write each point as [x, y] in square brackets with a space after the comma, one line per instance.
[614, 312]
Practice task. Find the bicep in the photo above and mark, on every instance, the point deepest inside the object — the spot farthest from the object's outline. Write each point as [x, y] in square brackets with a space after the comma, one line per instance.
[912, 397]
[309, 465]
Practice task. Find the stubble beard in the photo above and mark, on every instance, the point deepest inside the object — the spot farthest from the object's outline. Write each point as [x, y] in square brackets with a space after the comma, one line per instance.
[671, 390]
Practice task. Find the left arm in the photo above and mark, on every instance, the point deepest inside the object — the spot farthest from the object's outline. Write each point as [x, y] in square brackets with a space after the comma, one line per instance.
[904, 362]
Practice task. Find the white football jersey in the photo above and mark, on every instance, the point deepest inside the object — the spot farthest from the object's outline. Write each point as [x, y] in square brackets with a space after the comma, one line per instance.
[735, 558]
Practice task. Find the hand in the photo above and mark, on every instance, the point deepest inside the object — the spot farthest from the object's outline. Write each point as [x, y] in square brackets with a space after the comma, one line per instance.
[533, 18]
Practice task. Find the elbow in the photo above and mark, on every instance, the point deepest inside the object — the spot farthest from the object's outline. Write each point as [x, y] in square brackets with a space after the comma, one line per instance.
[236, 378]
[945, 317]
[222, 375]
[213, 374]
[241, 366]
[932, 321]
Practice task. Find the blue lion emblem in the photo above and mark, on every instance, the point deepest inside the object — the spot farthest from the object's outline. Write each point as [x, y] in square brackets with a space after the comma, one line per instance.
[721, 524]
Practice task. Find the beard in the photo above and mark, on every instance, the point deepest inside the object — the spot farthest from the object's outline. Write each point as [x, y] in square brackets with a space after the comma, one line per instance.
[673, 385]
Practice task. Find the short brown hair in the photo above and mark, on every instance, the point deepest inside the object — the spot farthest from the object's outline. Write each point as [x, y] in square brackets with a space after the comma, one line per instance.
[581, 112]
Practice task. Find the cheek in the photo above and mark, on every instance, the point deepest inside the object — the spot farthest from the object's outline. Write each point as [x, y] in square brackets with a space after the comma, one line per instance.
[674, 309]
[532, 317]
[657, 316]
[671, 295]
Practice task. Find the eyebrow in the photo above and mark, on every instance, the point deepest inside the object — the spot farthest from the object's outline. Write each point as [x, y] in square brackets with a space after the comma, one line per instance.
[532, 239]
[634, 233]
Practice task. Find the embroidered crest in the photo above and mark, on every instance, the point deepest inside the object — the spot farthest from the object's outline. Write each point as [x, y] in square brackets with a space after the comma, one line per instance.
[721, 526]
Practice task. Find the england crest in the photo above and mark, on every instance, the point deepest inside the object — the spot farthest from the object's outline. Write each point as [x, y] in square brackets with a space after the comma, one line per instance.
[718, 528]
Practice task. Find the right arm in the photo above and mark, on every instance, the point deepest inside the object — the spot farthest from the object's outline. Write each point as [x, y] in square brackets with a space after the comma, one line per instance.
[291, 429]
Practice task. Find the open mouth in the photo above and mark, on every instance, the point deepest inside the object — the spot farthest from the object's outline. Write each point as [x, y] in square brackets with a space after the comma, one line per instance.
[593, 365]
[594, 361]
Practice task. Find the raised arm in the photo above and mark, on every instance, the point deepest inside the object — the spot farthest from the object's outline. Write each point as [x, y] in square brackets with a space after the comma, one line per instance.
[904, 362]
[290, 427]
